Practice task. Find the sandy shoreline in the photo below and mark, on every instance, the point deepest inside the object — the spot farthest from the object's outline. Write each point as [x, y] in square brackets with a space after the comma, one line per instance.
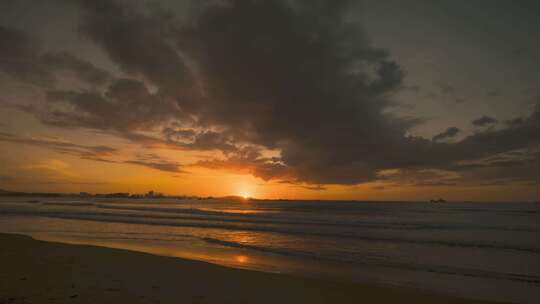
[43, 272]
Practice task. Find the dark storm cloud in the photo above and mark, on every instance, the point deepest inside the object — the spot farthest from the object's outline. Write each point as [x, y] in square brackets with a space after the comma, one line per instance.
[447, 89]
[448, 133]
[520, 136]
[414, 88]
[507, 154]
[21, 59]
[413, 177]
[296, 77]
[191, 139]
[513, 157]
[18, 55]
[521, 167]
[484, 121]
[515, 121]
[87, 72]
[293, 77]
[493, 93]
[126, 105]
[209, 140]
[448, 92]
[483, 144]
[139, 43]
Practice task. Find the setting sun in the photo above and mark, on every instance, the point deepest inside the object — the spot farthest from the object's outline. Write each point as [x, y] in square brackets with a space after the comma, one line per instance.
[244, 195]
[245, 188]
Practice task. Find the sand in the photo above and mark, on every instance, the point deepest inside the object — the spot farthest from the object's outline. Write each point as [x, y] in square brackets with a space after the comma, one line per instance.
[33, 271]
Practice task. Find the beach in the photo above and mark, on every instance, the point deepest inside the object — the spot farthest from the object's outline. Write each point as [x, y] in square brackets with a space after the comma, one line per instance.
[461, 250]
[45, 272]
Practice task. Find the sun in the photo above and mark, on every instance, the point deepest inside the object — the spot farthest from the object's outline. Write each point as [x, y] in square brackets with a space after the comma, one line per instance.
[244, 195]
[244, 190]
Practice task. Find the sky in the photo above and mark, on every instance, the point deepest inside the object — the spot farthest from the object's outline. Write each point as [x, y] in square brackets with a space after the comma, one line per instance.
[366, 100]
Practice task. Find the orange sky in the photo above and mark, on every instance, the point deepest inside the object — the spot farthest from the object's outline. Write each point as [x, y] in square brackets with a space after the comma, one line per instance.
[40, 169]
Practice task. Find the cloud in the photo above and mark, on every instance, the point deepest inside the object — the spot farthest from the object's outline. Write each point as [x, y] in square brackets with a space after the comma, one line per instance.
[204, 140]
[18, 54]
[59, 145]
[447, 89]
[315, 188]
[448, 133]
[304, 186]
[161, 166]
[55, 166]
[5, 179]
[63, 61]
[516, 166]
[492, 142]
[95, 153]
[151, 161]
[127, 105]
[250, 161]
[484, 121]
[22, 59]
[515, 122]
[297, 80]
[493, 93]
[155, 162]
[379, 188]
[324, 85]
[419, 178]
[139, 43]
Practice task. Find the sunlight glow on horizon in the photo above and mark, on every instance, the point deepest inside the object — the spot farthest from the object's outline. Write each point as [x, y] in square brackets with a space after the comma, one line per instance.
[245, 188]
[244, 195]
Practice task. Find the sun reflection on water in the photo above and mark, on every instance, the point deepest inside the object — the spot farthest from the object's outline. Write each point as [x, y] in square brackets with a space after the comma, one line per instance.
[241, 259]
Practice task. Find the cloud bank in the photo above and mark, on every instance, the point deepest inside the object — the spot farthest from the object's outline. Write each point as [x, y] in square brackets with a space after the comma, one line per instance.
[287, 90]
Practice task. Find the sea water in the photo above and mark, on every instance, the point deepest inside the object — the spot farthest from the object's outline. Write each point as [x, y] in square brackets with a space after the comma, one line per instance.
[479, 250]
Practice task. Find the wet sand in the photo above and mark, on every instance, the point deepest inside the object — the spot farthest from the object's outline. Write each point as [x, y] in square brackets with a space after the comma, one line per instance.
[33, 271]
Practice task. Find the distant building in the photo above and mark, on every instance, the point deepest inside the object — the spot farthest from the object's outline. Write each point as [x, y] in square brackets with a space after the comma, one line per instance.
[117, 195]
[438, 201]
[152, 194]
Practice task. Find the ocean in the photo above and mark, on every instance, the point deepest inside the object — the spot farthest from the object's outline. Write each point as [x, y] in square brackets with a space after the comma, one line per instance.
[478, 250]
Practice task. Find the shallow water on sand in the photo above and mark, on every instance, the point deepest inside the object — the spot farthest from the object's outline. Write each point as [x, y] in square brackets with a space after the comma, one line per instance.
[481, 250]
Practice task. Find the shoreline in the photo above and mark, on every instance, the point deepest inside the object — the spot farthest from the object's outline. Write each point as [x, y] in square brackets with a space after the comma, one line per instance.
[36, 271]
